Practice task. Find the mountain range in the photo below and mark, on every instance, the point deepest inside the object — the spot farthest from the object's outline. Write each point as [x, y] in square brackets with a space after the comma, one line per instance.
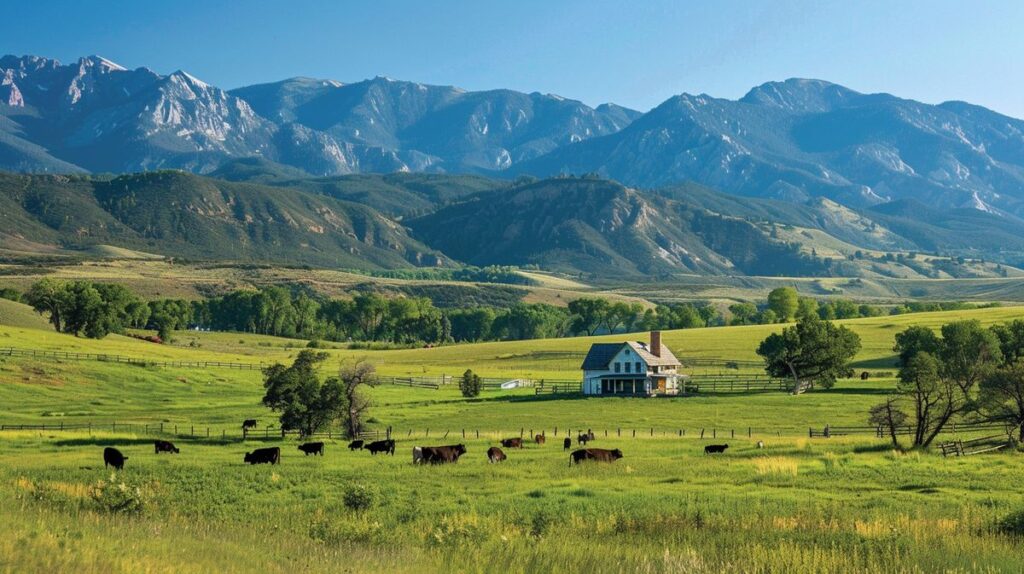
[792, 179]
[586, 226]
[791, 140]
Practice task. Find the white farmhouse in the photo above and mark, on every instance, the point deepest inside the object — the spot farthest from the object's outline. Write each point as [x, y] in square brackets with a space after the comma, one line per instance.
[631, 368]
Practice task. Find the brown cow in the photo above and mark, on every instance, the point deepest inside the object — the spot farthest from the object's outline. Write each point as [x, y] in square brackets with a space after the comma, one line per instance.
[441, 454]
[540, 439]
[597, 454]
[495, 454]
[512, 443]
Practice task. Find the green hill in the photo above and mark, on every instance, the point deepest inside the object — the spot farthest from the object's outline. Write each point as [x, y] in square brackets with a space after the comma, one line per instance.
[184, 215]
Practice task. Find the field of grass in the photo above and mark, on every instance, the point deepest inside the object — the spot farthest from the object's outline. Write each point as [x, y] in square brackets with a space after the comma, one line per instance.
[846, 504]
[796, 506]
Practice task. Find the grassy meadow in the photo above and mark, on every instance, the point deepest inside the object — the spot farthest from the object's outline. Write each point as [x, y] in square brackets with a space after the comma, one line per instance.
[845, 504]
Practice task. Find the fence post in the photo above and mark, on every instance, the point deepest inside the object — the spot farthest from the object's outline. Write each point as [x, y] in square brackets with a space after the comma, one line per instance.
[634, 433]
[618, 431]
[748, 432]
[810, 432]
[193, 433]
[652, 431]
[702, 433]
[733, 433]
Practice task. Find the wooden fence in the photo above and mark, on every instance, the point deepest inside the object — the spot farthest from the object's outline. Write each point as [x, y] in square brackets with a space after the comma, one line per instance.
[829, 431]
[192, 431]
[974, 446]
[72, 356]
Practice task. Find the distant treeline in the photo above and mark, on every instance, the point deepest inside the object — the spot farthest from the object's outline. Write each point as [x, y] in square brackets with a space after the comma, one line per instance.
[96, 309]
[490, 274]
[784, 304]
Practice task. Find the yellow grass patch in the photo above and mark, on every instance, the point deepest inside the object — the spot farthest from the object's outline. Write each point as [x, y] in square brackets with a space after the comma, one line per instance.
[776, 466]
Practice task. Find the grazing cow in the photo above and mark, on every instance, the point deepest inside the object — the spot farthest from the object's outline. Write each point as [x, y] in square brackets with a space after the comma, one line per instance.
[114, 458]
[715, 448]
[441, 454]
[355, 445]
[417, 455]
[760, 444]
[264, 455]
[540, 439]
[386, 446]
[583, 439]
[248, 424]
[512, 443]
[567, 443]
[314, 448]
[596, 454]
[164, 446]
[495, 454]
[864, 375]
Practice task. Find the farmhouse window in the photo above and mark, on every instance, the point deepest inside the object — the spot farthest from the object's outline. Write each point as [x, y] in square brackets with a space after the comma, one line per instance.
[629, 367]
[639, 368]
[618, 367]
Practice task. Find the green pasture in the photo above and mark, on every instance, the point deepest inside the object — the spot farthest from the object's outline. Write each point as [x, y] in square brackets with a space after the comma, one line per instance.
[845, 504]
[796, 506]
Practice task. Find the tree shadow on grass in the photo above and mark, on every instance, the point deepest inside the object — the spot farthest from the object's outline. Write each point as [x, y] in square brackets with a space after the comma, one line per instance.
[113, 441]
[888, 362]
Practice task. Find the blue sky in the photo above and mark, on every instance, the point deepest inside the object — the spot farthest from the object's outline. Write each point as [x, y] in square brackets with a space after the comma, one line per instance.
[633, 53]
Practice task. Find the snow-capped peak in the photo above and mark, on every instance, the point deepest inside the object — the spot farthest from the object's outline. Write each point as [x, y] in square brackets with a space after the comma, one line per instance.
[102, 63]
[190, 79]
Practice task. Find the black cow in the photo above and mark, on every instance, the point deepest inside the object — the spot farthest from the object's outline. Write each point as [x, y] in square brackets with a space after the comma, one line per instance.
[512, 443]
[248, 424]
[495, 454]
[114, 458]
[355, 445]
[264, 455]
[567, 443]
[314, 448]
[164, 446]
[386, 446]
[583, 439]
[865, 375]
[715, 448]
[597, 454]
[440, 454]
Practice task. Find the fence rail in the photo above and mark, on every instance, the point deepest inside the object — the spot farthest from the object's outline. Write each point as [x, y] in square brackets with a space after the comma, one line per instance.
[829, 431]
[101, 357]
[187, 431]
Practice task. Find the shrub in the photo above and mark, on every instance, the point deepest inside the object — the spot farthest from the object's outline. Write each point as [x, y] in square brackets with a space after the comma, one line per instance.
[359, 497]
[470, 384]
[1012, 524]
[119, 497]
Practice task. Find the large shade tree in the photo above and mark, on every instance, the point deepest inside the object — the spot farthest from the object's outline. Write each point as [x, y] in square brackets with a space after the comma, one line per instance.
[811, 352]
[305, 403]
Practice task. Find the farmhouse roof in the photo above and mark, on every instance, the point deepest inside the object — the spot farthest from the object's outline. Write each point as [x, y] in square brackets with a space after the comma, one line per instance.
[601, 354]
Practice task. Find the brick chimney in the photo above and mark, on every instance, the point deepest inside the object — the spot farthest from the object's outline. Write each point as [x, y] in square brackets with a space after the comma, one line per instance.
[656, 343]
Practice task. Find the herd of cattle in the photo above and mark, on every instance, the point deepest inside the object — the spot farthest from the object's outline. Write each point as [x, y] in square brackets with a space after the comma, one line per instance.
[420, 454]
